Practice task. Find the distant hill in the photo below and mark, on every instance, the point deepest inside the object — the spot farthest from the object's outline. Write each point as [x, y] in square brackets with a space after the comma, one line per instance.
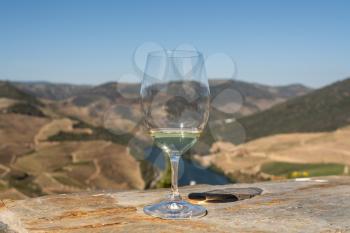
[259, 90]
[52, 91]
[19, 101]
[325, 109]
[8, 90]
[256, 97]
[107, 91]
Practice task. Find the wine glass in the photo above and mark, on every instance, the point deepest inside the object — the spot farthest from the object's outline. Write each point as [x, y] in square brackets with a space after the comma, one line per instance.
[175, 101]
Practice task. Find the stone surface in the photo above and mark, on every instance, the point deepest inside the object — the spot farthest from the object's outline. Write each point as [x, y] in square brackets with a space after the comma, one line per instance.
[304, 205]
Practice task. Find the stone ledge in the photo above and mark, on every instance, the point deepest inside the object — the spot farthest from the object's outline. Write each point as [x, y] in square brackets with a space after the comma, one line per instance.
[316, 205]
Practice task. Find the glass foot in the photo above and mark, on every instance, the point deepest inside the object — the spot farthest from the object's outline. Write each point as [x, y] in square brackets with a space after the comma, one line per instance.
[175, 210]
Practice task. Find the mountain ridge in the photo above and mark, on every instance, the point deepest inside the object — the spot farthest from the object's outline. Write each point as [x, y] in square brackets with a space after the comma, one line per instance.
[324, 109]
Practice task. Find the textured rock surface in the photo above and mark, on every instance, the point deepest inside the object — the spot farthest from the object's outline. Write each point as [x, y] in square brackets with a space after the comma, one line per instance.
[316, 205]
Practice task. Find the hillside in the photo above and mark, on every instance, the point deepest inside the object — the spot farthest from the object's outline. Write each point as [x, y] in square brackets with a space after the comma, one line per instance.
[52, 153]
[282, 156]
[325, 109]
[64, 155]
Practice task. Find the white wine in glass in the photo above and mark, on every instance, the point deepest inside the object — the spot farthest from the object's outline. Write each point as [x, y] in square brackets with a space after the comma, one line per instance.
[175, 101]
[175, 140]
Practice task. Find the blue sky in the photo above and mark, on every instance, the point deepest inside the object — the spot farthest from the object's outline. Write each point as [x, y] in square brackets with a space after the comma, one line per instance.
[272, 42]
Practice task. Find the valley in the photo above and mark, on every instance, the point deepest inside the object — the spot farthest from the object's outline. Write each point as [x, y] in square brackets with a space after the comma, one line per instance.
[61, 138]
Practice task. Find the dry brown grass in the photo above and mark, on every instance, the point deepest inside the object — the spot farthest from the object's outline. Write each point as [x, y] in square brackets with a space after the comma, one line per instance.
[5, 102]
[61, 167]
[332, 147]
[17, 133]
[68, 166]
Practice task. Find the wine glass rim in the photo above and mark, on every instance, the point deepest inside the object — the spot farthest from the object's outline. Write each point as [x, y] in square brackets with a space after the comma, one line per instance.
[175, 53]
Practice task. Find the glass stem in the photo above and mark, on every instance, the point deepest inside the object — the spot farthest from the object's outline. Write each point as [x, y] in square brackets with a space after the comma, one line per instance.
[174, 163]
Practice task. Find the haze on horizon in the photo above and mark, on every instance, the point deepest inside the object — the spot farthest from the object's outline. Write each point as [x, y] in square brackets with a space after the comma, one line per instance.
[92, 42]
